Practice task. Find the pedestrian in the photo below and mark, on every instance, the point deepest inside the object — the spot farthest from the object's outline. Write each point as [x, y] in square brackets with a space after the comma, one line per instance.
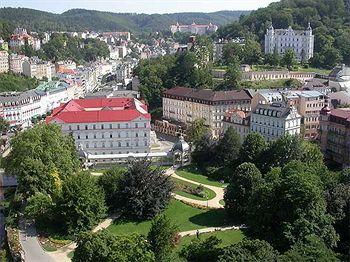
[197, 233]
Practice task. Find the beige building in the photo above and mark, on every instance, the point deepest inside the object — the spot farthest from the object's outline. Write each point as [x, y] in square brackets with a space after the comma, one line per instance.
[186, 105]
[37, 68]
[276, 75]
[4, 62]
[16, 63]
[239, 121]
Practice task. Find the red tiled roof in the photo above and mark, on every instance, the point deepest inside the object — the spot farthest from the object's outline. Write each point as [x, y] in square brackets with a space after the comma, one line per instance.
[99, 110]
[342, 113]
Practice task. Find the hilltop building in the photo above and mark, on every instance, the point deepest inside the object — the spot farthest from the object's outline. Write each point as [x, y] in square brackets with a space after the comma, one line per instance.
[105, 125]
[300, 41]
[194, 28]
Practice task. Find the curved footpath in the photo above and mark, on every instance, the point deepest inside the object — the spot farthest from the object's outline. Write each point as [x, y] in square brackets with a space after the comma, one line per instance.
[35, 253]
[213, 203]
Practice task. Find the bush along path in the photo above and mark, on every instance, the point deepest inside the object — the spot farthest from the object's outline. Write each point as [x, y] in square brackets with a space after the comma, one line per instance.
[212, 203]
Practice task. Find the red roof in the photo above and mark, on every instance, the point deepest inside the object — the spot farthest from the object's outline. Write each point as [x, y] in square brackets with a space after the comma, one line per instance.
[341, 113]
[99, 110]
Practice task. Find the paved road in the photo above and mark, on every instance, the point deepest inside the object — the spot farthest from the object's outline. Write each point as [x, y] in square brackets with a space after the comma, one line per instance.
[30, 245]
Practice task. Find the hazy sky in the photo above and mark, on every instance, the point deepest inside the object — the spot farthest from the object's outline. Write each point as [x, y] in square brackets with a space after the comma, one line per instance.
[139, 6]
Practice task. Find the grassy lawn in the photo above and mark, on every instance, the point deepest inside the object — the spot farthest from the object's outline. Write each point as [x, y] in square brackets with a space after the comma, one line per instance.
[222, 202]
[49, 248]
[191, 173]
[178, 183]
[70, 254]
[227, 237]
[184, 216]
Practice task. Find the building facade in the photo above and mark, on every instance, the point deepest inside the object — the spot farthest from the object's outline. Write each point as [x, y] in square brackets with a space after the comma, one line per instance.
[275, 120]
[105, 125]
[16, 63]
[281, 40]
[239, 121]
[194, 28]
[335, 135]
[37, 68]
[4, 62]
[186, 105]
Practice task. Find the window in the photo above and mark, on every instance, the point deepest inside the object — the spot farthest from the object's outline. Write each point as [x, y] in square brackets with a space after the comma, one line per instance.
[118, 126]
[136, 125]
[126, 125]
[119, 135]
[127, 144]
[144, 125]
[94, 126]
[70, 127]
[145, 135]
[137, 144]
[136, 134]
[103, 135]
[87, 137]
[119, 144]
[145, 143]
[110, 126]
[87, 145]
[86, 127]
[94, 136]
[110, 135]
[102, 126]
[78, 127]
[78, 136]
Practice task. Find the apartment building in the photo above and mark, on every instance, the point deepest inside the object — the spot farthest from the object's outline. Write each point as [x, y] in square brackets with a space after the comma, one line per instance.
[105, 125]
[335, 135]
[238, 120]
[281, 40]
[307, 102]
[4, 62]
[37, 68]
[194, 28]
[16, 63]
[274, 120]
[185, 105]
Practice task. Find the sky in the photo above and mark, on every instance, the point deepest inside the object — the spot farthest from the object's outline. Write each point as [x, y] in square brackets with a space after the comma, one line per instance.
[139, 6]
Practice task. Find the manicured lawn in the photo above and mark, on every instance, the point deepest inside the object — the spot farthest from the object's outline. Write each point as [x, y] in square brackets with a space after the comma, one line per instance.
[70, 254]
[184, 216]
[227, 237]
[191, 173]
[209, 193]
[222, 202]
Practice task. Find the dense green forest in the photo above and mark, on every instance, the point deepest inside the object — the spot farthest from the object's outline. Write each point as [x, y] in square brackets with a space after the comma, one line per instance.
[80, 19]
[13, 82]
[330, 20]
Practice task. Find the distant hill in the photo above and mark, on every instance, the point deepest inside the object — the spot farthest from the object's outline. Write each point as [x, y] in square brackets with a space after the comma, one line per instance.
[81, 19]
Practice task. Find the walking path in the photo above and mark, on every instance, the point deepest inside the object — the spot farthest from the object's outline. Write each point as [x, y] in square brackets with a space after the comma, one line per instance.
[208, 230]
[213, 203]
[33, 251]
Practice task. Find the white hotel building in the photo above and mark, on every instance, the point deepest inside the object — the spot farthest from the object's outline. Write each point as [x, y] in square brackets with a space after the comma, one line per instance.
[280, 40]
[105, 126]
[274, 120]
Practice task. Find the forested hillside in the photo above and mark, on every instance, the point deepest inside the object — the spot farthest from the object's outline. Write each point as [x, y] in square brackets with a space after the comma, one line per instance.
[80, 19]
[330, 20]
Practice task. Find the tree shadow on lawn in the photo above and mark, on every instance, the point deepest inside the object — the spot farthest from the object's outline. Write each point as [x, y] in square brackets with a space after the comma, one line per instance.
[211, 218]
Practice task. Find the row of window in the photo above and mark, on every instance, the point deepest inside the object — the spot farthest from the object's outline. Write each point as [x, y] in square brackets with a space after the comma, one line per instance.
[95, 136]
[105, 126]
[111, 144]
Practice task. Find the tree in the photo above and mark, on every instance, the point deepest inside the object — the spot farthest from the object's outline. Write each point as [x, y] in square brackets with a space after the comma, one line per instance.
[290, 206]
[202, 250]
[40, 207]
[161, 237]
[251, 52]
[204, 152]
[4, 125]
[81, 204]
[196, 130]
[242, 184]
[289, 59]
[233, 75]
[252, 148]
[231, 53]
[228, 148]
[311, 249]
[40, 157]
[249, 250]
[110, 182]
[105, 247]
[146, 191]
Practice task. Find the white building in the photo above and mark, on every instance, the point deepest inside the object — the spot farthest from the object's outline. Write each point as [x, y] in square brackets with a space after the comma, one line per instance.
[280, 40]
[105, 125]
[4, 62]
[194, 28]
[275, 120]
[20, 108]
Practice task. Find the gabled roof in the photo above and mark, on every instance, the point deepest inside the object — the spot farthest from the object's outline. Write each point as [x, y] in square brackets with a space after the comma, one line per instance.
[99, 110]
